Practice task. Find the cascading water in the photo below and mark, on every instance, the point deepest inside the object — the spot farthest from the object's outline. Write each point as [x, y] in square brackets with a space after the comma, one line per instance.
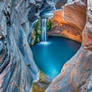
[45, 13]
[44, 30]
[69, 1]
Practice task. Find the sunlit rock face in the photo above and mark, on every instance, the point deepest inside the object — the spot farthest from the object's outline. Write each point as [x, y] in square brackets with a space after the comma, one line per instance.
[70, 21]
[76, 74]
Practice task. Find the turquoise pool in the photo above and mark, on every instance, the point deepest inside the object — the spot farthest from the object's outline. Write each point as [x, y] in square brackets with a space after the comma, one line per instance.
[50, 56]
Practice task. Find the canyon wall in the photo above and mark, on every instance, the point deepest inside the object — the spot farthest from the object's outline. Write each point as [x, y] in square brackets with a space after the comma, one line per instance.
[69, 22]
[17, 67]
[76, 74]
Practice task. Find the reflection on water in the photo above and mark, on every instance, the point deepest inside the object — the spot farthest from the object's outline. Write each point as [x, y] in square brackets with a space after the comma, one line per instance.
[51, 56]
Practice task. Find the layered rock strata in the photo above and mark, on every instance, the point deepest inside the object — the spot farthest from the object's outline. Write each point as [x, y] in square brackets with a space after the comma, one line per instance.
[76, 74]
[70, 21]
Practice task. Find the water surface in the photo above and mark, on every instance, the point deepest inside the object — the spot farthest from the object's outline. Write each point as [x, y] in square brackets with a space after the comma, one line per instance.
[52, 55]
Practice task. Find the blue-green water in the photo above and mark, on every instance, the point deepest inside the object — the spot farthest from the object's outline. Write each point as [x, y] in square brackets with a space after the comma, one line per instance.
[51, 56]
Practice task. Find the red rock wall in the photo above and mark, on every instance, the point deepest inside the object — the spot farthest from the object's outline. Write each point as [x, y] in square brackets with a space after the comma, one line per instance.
[70, 21]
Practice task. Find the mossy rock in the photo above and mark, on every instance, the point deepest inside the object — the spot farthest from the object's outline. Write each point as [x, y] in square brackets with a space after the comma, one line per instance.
[41, 84]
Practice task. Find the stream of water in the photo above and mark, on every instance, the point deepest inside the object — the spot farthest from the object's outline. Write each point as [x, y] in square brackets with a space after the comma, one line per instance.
[44, 30]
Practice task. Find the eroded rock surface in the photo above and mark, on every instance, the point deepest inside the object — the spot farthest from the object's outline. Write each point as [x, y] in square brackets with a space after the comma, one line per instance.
[76, 75]
[70, 21]
[17, 66]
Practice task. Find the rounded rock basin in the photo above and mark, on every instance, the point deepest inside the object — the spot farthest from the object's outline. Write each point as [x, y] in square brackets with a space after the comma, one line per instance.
[50, 56]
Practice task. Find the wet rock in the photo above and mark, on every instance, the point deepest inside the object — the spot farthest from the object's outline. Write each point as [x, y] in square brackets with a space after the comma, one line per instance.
[17, 67]
[42, 83]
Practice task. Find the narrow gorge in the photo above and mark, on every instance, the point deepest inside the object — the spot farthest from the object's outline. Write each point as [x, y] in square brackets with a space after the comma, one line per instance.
[45, 45]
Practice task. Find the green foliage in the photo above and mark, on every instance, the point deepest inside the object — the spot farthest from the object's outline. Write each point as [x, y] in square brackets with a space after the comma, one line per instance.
[36, 32]
[49, 24]
[35, 35]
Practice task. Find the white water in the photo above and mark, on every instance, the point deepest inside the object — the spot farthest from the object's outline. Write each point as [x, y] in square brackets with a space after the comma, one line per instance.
[69, 1]
[44, 30]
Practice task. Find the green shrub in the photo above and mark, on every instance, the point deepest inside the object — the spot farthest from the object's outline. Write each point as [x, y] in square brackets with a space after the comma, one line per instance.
[36, 32]
[49, 24]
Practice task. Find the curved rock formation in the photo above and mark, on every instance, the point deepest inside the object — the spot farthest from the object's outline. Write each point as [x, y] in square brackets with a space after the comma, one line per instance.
[76, 75]
[60, 3]
[70, 21]
[17, 67]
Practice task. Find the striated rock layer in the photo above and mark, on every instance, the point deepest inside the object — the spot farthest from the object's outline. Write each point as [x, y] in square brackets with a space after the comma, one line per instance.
[17, 66]
[69, 22]
[76, 75]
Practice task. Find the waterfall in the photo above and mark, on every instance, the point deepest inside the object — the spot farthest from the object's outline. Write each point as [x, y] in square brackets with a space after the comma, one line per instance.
[69, 1]
[44, 30]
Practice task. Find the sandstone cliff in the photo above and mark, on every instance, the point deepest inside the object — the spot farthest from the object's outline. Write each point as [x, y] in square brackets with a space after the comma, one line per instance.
[69, 22]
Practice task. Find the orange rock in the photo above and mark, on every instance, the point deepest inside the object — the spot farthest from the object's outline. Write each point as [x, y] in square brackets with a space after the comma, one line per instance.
[75, 14]
[71, 21]
[58, 17]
